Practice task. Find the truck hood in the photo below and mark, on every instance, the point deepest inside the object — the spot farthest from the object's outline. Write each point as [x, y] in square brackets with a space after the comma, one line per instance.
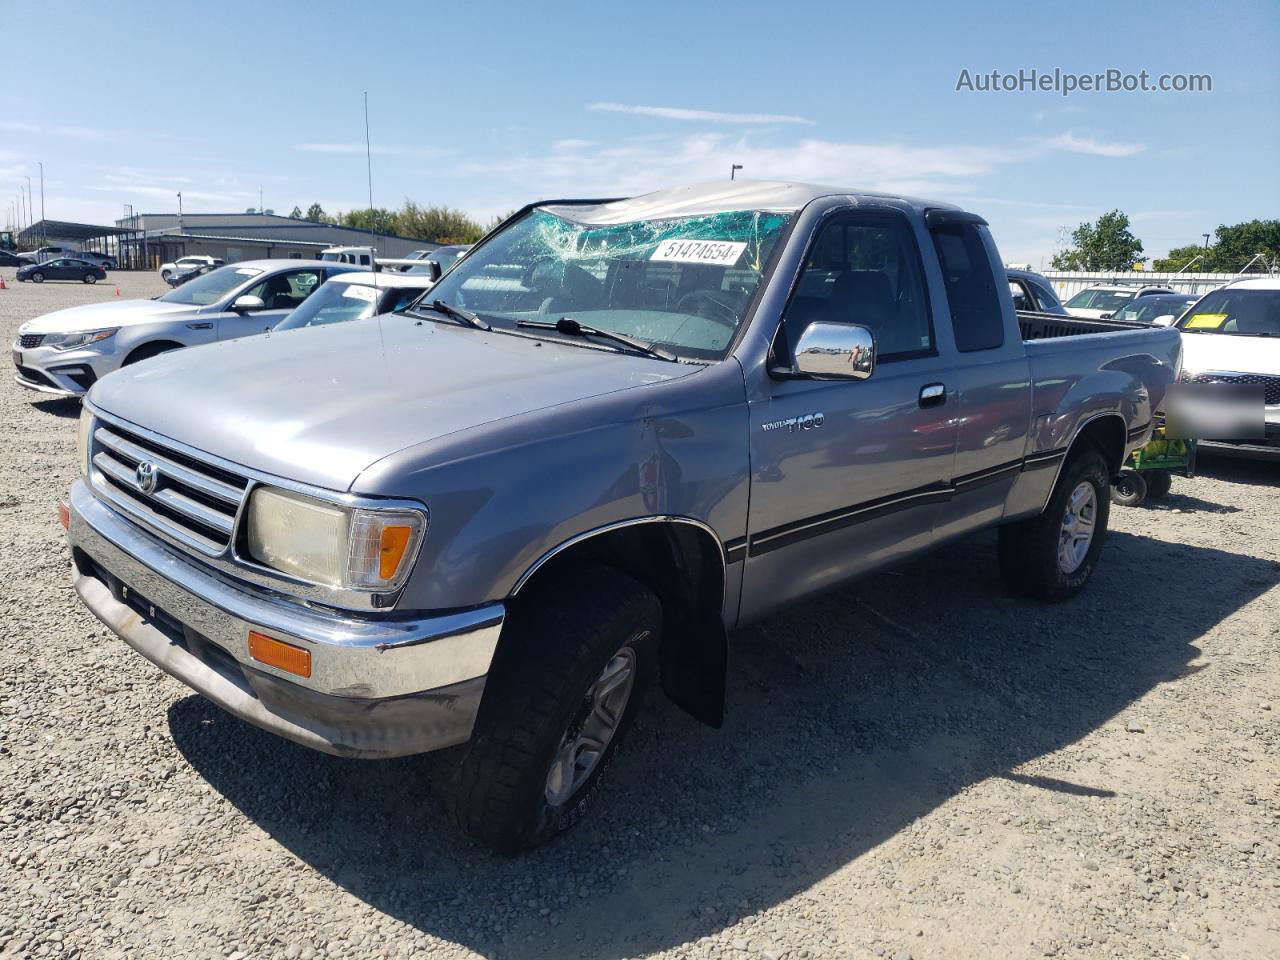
[321, 404]
[1222, 352]
[112, 313]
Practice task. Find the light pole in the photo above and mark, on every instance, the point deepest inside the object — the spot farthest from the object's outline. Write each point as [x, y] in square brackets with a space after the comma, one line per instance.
[40, 164]
[734, 168]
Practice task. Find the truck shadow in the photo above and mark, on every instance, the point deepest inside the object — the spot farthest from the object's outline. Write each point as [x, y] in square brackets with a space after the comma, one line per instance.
[850, 716]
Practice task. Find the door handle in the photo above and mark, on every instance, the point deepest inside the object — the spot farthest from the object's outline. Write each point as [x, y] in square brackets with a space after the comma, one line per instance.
[933, 395]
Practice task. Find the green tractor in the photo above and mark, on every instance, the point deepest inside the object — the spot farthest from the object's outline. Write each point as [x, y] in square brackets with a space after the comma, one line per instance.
[7, 241]
[1148, 473]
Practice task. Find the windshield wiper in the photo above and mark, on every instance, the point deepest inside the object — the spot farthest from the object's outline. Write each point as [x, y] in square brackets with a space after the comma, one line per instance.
[455, 313]
[571, 327]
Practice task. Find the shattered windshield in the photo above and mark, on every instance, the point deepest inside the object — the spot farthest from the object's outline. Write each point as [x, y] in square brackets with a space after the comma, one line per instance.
[682, 284]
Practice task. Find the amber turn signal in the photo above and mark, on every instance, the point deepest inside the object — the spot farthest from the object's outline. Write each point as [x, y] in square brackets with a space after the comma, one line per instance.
[278, 654]
[64, 514]
[391, 547]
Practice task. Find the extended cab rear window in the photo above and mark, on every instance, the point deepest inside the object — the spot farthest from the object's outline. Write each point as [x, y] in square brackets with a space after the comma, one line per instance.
[971, 288]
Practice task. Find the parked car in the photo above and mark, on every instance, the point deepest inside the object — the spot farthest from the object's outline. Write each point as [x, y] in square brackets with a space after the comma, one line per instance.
[355, 296]
[1032, 292]
[445, 257]
[612, 432]
[65, 352]
[1161, 309]
[1232, 335]
[105, 261]
[62, 268]
[1102, 301]
[183, 274]
[10, 259]
[41, 254]
[187, 263]
[359, 256]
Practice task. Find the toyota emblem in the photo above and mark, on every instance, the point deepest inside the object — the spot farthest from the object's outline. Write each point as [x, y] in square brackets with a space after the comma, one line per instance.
[146, 475]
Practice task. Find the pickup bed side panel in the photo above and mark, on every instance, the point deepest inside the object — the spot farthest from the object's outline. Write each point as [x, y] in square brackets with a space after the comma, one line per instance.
[1076, 379]
[504, 496]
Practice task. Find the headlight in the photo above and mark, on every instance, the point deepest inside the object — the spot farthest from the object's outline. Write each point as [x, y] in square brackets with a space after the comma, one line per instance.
[331, 544]
[82, 438]
[68, 341]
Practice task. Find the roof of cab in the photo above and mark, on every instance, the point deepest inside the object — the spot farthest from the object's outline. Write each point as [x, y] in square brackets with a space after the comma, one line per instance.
[704, 199]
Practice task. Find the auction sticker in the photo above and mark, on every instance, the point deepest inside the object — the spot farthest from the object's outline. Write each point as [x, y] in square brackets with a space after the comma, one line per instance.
[1206, 321]
[717, 253]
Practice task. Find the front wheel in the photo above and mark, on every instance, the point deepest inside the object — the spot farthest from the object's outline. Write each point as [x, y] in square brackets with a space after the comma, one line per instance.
[572, 667]
[1051, 556]
[37, 278]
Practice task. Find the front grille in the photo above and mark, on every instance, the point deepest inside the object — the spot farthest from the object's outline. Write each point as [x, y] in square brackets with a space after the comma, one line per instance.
[29, 341]
[191, 501]
[1270, 385]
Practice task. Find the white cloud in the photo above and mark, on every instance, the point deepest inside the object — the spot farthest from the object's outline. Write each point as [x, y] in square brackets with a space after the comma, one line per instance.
[386, 150]
[637, 165]
[1072, 144]
[707, 116]
[169, 193]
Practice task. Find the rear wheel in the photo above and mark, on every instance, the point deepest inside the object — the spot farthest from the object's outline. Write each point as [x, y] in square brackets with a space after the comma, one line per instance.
[565, 685]
[1129, 489]
[90, 278]
[1159, 483]
[1051, 556]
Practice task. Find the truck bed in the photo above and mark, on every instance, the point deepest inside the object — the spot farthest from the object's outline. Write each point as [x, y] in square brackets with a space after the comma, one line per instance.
[1048, 326]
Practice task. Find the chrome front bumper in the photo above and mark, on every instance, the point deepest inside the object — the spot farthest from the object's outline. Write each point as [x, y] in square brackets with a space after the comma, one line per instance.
[378, 687]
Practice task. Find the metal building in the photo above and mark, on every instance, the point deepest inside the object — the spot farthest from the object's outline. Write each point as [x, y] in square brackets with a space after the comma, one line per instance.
[156, 238]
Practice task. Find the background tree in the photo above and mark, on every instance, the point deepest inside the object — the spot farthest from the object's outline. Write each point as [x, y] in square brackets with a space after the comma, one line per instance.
[1105, 245]
[295, 213]
[316, 214]
[377, 219]
[442, 225]
[499, 219]
[1179, 257]
[1234, 246]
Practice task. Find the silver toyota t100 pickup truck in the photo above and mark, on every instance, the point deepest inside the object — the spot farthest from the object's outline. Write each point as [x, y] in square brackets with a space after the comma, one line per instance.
[612, 432]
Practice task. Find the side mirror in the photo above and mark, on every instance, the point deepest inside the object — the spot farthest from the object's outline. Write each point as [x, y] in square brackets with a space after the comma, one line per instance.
[247, 303]
[835, 351]
[1164, 320]
[433, 270]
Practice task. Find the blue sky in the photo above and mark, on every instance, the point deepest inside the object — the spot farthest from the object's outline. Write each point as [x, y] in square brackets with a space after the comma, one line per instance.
[488, 106]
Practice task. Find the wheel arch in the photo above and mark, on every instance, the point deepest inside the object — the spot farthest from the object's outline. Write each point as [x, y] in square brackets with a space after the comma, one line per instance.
[683, 561]
[150, 348]
[1109, 433]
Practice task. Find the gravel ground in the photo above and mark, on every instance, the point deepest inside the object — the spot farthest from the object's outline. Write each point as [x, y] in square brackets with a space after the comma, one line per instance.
[915, 766]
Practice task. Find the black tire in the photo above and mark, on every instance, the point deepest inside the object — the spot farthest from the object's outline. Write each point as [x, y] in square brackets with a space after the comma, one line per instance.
[1129, 489]
[1029, 560]
[90, 278]
[147, 351]
[1159, 482]
[37, 277]
[555, 647]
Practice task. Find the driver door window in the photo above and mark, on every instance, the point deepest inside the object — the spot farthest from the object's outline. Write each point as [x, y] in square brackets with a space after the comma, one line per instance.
[864, 270]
